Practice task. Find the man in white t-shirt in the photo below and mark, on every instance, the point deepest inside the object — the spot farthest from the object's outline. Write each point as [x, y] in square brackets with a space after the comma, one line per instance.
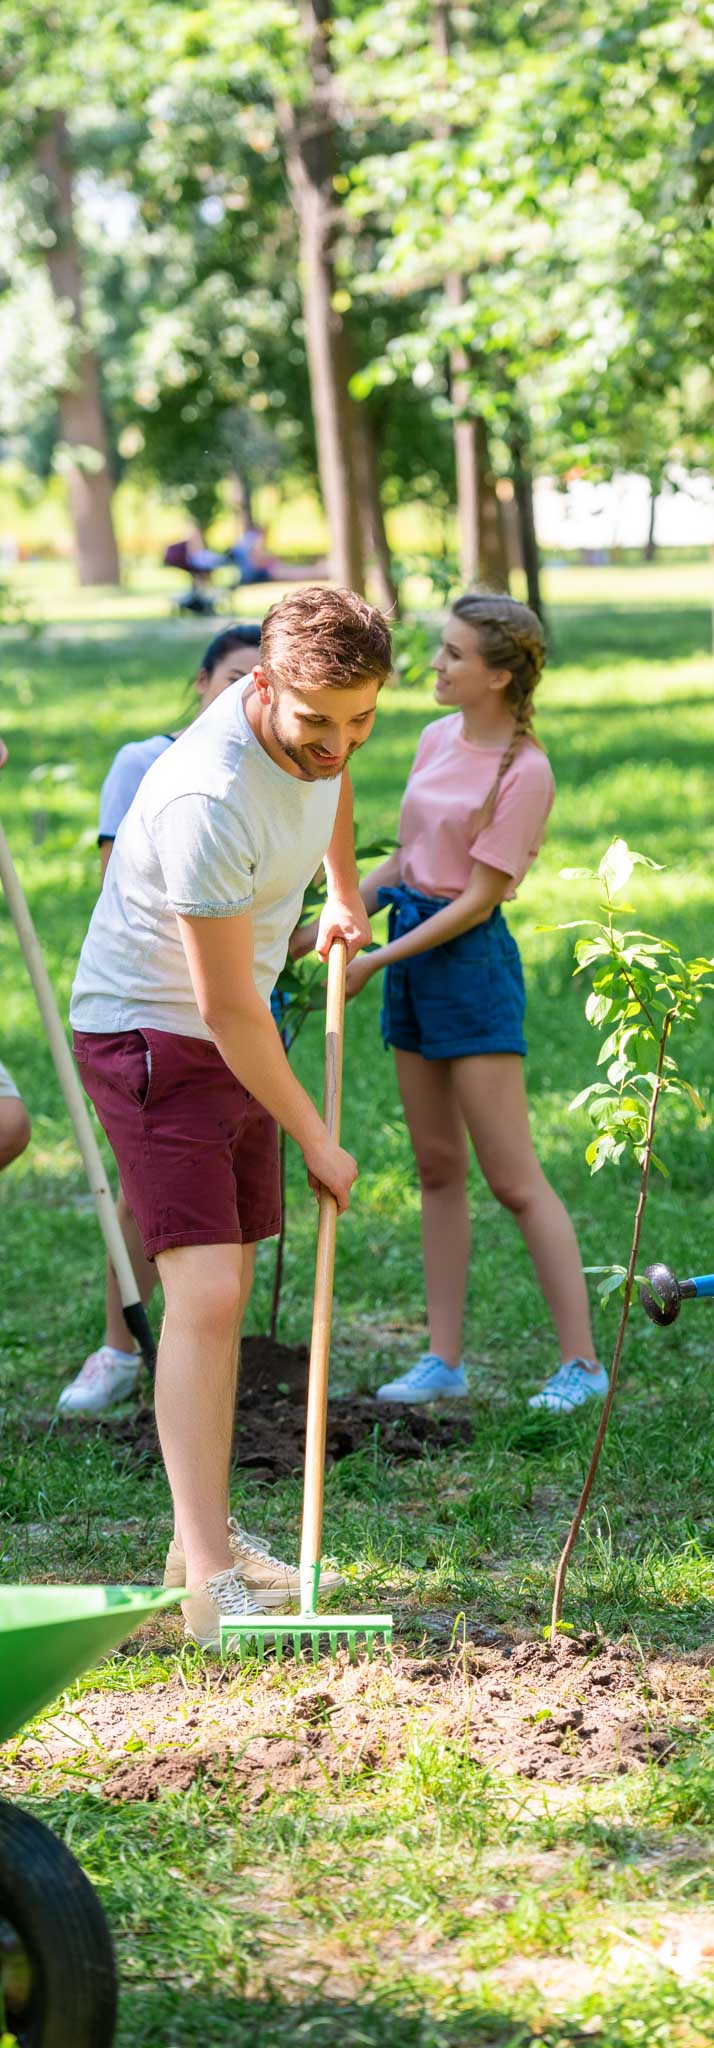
[174, 1037]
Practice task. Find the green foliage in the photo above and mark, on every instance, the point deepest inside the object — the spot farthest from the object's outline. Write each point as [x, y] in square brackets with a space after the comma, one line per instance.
[642, 987]
[436, 1904]
[15, 610]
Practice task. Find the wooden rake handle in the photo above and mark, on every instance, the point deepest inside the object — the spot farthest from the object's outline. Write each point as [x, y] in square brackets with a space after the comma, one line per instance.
[316, 1425]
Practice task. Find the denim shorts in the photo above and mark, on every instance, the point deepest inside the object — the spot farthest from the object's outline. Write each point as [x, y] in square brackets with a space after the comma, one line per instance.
[464, 997]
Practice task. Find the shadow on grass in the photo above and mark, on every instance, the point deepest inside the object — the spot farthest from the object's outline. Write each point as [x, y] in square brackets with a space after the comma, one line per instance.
[162, 2019]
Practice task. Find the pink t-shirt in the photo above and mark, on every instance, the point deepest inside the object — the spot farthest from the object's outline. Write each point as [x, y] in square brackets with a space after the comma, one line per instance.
[439, 831]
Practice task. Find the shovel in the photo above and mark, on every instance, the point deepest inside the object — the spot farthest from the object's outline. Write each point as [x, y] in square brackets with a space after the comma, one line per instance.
[134, 1312]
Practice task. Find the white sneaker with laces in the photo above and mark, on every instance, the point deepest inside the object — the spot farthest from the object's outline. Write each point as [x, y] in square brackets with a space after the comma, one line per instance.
[570, 1387]
[429, 1380]
[269, 1580]
[224, 1597]
[106, 1377]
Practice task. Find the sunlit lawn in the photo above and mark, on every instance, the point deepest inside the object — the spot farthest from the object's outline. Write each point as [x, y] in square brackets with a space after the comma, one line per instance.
[201, 1887]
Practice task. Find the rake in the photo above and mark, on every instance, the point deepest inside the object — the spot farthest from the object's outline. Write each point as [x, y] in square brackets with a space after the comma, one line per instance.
[308, 1629]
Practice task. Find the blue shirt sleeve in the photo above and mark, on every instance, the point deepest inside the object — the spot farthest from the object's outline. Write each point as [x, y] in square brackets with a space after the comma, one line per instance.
[120, 785]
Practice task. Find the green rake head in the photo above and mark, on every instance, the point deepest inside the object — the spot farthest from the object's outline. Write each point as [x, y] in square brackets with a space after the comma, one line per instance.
[250, 1639]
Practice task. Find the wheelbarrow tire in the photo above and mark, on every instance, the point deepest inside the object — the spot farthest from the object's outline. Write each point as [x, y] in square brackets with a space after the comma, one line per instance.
[55, 1911]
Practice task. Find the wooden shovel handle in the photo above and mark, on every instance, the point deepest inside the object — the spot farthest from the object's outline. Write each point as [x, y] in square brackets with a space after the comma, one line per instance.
[316, 1426]
[74, 1099]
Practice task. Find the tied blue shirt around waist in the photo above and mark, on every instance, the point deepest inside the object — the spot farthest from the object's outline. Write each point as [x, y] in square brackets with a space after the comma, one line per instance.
[460, 998]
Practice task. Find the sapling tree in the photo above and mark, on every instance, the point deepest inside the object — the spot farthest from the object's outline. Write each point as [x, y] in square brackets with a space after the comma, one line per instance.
[642, 990]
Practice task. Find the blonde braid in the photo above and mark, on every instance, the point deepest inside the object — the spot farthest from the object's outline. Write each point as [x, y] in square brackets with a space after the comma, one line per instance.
[509, 636]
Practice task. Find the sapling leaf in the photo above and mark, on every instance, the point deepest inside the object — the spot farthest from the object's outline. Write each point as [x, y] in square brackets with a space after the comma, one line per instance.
[612, 1268]
[594, 1088]
[618, 862]
[610, 1285]
[597, 1008]
[692, 1093]
[574, 924]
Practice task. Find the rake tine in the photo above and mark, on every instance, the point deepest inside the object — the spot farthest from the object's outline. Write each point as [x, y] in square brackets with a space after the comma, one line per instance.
[315, 1634]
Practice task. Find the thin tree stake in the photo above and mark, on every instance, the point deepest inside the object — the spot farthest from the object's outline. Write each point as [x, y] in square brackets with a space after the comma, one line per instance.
[574, 1529]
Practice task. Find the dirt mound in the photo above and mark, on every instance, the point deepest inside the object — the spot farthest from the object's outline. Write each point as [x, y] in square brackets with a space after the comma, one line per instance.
[268, 1368]
[270, 1423]
[588, 1710]
[270, 1441]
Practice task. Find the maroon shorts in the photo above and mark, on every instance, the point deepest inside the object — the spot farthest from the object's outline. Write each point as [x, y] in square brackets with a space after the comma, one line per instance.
[197, 1155]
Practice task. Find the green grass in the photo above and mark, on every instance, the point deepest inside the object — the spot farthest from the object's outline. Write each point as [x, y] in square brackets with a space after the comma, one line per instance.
[426, 1907]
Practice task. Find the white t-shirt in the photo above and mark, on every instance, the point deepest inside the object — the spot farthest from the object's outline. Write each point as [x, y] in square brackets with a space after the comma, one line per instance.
[215, 828]
[119, 787]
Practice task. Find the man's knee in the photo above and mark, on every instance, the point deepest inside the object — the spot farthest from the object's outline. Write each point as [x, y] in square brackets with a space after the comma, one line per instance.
[203, 1284]
[15, 1129]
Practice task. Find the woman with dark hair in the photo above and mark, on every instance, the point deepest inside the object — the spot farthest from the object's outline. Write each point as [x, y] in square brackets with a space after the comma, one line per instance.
[109, 1374]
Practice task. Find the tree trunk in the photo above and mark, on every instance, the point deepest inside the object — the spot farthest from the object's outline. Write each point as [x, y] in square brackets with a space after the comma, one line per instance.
[482, 542]
[530, 552]
[241, 495]
[374, 532]
[650, 547]
[82, 424]
[309, 132]
[492, 554]
[465, 453]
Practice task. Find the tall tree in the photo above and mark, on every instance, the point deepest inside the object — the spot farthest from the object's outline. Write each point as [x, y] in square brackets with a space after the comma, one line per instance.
[309, 126]
[43, 67]
[81, 416]
[482, 551]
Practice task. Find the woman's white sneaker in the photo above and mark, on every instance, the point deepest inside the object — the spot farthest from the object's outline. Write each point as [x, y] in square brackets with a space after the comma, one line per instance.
[570, 1387]
[431, 1379]
[106, 1378]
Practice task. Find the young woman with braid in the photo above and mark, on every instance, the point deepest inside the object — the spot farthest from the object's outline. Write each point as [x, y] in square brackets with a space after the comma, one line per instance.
[472, 821]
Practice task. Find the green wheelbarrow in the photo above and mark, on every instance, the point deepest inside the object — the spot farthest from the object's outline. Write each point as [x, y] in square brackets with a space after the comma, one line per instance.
[58, 1986]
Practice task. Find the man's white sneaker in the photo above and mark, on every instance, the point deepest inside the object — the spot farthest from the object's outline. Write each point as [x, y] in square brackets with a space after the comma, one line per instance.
[106, 1377]
[570, 1387]
[268, 1579]
[429, 1380]
[223, 1597]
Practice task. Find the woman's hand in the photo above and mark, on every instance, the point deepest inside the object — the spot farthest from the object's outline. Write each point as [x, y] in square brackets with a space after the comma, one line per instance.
[303, 940]
[360, 971]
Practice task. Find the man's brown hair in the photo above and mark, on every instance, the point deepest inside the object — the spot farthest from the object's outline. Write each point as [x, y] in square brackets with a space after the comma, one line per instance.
[331, 638]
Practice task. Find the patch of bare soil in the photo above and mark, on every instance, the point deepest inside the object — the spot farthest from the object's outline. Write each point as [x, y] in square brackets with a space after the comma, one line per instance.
[270, 1422]
[587, 1710]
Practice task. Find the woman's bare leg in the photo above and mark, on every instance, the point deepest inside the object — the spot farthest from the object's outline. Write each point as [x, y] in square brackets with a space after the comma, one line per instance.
[438, 1135]
[490, 1091]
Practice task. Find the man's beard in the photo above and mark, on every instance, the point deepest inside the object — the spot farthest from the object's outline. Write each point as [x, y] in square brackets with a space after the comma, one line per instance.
[302, 757]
